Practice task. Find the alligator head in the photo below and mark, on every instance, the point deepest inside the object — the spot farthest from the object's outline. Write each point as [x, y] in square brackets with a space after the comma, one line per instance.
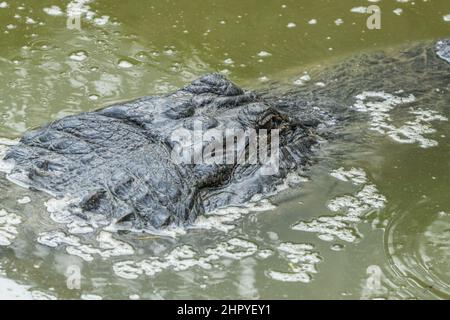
[124, 161]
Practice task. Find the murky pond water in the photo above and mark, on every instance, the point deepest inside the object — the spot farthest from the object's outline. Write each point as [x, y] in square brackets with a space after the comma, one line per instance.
[371, 220]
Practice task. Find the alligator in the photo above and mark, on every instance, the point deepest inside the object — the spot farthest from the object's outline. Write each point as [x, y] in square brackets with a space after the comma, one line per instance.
[119, 161]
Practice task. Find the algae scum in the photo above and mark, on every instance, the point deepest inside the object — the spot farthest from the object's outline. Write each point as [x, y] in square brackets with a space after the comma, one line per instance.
[370, 219]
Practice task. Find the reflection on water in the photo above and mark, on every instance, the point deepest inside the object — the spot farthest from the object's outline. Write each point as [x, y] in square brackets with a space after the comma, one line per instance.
[371, 221]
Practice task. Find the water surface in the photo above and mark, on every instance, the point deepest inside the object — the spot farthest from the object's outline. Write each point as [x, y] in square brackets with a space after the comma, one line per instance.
[383, 233]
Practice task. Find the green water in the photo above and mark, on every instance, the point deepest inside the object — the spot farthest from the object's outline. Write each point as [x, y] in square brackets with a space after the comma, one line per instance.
[48, 71]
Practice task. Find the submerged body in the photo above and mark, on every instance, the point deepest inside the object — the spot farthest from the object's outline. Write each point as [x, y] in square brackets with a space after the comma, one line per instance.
[118, 161]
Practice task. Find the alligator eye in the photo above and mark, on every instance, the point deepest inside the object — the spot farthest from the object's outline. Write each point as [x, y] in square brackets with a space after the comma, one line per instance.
[273, 121]
[262, 116]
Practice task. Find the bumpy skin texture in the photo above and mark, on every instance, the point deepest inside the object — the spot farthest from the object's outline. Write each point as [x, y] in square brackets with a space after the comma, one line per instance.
[117, 161]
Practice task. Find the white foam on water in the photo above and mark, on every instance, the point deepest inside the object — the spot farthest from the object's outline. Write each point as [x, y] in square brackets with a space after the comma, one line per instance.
[292, 180]
[106, 246]
[29, 20]
[60, 213]
[4, 5]
[223, 219]
[63, 211]
[103, 20]
[356, 176]
[398, 11]
[53, 11]
[446, 18]
[55, 238]
[264, 54]
[379, 104]
[24, 200]
[79, 56]
[124, 64]
[273, 235]
[185, 257]
[351, 209]
[301, 81]
[359, 10]
[233, 249]
[228, 61]
[8, 227]
[413, 131]
[302, 260]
